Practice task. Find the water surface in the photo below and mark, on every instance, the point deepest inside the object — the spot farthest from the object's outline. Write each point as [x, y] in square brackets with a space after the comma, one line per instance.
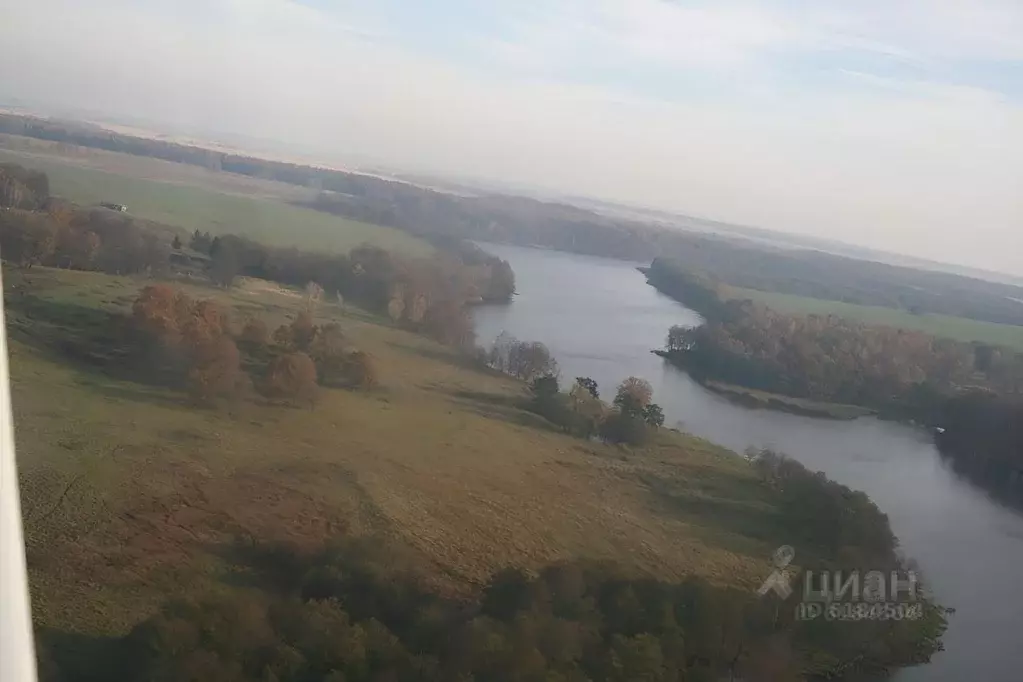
[601, 319]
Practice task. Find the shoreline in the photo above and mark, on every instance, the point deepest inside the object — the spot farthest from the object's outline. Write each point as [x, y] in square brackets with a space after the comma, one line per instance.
[778, 402]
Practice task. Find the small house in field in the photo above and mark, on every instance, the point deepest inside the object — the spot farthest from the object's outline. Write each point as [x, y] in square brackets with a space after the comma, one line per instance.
[114, 207]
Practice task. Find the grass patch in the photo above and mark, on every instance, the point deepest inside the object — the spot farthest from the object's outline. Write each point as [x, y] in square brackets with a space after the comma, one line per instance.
[246, 210]
[131, 495]
[958, 328]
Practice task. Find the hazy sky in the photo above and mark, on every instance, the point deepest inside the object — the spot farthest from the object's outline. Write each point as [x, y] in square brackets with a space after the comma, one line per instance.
[896, 124]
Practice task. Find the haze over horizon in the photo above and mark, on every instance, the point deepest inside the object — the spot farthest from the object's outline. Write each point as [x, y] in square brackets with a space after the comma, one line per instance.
[891, 125]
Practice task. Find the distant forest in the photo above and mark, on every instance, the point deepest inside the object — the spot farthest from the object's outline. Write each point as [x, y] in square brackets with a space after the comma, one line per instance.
[972, 391]
[518, 220]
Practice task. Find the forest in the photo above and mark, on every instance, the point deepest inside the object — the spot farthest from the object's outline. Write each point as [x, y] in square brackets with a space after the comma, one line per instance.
[428, 293]
[434, 214]
[972, 391]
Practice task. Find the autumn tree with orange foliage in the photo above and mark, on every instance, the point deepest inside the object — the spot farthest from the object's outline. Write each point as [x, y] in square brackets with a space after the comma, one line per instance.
[216, 370]
[254, 334]
[194, 332]
[160, 312]
[291, 377]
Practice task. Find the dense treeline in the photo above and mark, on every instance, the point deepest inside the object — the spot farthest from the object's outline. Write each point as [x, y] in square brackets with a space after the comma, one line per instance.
[901, 372]
[836, 360]
[22, 188]
[982, 437]
[427, 294]
[355, 611]
[517, 220]
[694, 288]
[972, 391]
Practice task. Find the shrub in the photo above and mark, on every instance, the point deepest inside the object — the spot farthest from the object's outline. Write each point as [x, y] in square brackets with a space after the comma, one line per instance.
[303, 331]
[328, 351]
[633, 395]
[360, 370]
[291, 377]
[624, 428]
[255, 334]
[216, 370]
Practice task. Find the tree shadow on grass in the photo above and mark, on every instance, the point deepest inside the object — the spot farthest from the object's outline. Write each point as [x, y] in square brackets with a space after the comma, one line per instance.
[502, 407]
[95, 343]
[447, 356]
[725, 510]
[81, 333]
[75, 657]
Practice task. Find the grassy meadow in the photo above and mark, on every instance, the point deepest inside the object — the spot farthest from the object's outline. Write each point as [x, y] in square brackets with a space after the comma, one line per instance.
[132, 495]
[194, 198]
[958, 328]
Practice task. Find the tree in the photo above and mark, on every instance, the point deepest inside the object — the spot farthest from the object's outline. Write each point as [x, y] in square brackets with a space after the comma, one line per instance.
[291, 377]
[678, 339]
[589, 385]
[500, 285]
[624, 427]
[255, 334]
[215, 371]
[201, 241]
[303, 331]
[224, 265]
[448, 322]
[284, 338]
[545, 386]
[313, 294]
[160, 311]
[633, 395]
[329, 351]
[653, 415]
[360, 370]
[587, 409]
[529, 360]
[202, 322]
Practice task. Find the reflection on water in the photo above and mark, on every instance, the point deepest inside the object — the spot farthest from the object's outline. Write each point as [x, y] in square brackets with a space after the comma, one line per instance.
[600, 319]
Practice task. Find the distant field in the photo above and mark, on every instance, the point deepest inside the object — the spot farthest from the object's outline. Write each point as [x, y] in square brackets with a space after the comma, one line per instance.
[958, 328]
[245, 209]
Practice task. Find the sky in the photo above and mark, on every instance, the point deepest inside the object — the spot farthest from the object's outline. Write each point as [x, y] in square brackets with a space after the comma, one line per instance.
[892, 124]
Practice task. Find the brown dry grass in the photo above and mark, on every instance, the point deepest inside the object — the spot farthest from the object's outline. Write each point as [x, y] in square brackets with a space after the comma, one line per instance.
[132, 495]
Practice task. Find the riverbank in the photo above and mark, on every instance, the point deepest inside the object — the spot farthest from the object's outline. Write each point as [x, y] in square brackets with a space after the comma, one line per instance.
[764, 400]
[601, 320]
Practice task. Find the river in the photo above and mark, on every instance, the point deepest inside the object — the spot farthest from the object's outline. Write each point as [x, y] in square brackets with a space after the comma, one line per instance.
[601, 319]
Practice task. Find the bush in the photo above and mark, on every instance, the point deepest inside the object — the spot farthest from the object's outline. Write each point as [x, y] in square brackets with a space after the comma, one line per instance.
[633, 396]
[291, 377]
[624, 428]
[360, 370]
[329, 350]
[216, 370]
[303, 331]
[255, 334]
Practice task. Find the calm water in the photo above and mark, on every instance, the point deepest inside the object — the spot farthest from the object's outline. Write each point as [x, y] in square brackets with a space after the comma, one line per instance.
[601, 319]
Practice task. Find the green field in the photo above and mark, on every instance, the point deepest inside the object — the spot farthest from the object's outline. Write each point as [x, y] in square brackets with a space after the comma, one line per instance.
[958, 328]
[188, 205]
[131, 494]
